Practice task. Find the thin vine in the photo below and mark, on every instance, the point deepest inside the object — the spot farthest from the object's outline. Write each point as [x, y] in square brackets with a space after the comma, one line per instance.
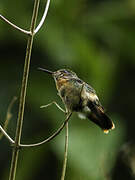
[16, 143]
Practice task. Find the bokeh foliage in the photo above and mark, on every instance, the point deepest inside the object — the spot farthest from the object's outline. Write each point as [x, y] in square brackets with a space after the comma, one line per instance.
[96, 39]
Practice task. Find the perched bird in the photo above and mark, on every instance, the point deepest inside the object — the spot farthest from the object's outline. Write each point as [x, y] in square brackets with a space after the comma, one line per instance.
[80, 97]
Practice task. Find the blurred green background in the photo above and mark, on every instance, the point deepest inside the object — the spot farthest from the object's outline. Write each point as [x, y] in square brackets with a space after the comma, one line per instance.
[96, 39]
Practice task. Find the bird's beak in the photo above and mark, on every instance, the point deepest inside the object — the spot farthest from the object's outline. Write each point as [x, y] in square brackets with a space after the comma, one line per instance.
[45, 70]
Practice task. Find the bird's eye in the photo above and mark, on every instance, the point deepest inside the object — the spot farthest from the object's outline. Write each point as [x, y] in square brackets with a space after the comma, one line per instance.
[65, 71]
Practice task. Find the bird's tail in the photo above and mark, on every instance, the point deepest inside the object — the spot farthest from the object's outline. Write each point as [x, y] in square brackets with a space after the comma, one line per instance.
[98, 116]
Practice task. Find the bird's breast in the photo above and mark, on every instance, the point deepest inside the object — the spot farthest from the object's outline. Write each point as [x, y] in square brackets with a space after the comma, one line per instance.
[70, 93]
[61, 83]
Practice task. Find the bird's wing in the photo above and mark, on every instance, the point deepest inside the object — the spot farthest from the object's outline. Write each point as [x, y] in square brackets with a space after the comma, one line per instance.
[99, 117]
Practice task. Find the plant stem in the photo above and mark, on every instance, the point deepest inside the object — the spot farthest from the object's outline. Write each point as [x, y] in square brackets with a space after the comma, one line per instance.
[43, 17]
[13, 25]
[40, 143]
[6, 135]
[51, 137]
[65, 154]
[7, 119]
[23, 94]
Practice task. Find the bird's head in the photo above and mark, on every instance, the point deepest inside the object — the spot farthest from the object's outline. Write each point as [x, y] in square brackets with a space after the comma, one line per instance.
[62, 73]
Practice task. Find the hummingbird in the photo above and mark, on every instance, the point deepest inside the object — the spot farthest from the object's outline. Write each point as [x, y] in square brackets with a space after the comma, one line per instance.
[80, 97]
